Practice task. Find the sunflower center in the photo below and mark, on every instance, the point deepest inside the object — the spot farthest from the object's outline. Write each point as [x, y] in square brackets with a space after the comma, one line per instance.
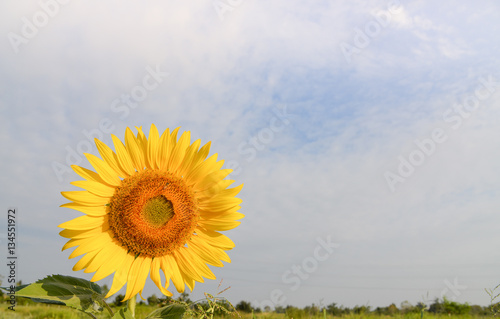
[158, 211]
[152, 213]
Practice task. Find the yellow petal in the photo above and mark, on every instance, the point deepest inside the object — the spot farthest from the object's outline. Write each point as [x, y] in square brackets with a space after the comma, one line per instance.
[137, 276]
[196, 263]
[142, 141]
[216, 189]
[173, 136]
[83, 223]
[171, 270]
[215, 239]
[85, 198]
[89, 210]
[85, 261]
[217, 252]
[95, 188]
[103, 256]
[216, 212]
[110, 158]
[190, 282]
[116, 256]
[191, 267]
[88, 174]
[221, 216]
[220, 203]
[186, 267]
[71, 243]
[204, 251]
[121, 275]
[91, 244]
[155, 277]
[191, 151]
[186, 278]
[153, 143]
[104, 170]
[203, 169]
[134, 150]
[146, 267]
[124, 159]
[218, 224]
[224, 217]
[163, 150]
[212, 179]
[231, 192]
[200, 156]
[221, 254]
[70, 233]
[179, 151]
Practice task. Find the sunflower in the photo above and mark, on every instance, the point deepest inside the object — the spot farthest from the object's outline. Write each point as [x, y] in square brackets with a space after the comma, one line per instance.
[153, 204]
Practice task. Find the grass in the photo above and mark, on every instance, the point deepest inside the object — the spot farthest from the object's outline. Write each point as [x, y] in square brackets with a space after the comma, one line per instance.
[42, 311]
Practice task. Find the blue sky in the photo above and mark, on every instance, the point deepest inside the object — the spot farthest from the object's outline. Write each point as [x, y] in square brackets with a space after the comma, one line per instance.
[369, 125]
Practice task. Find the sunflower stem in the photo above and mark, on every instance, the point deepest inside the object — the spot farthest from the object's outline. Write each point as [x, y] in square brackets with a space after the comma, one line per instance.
[91, 315]
[131, 305]
[108, 308]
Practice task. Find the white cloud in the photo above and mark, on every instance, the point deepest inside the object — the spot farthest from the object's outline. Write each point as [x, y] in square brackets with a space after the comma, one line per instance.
[321, 175]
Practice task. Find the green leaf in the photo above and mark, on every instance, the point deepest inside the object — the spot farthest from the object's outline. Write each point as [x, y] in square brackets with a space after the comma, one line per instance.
[73, 292]
[171, 312]
[16, 288]
[123, 314]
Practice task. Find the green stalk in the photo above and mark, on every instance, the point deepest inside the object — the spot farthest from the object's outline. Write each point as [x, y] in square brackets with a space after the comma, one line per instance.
[108, 308]
[131, 305]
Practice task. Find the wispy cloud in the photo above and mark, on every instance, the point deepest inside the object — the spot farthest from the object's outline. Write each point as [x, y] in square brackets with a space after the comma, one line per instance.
[318, 170]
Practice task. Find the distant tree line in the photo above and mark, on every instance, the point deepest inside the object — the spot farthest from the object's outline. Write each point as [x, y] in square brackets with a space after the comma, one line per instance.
[438, 306]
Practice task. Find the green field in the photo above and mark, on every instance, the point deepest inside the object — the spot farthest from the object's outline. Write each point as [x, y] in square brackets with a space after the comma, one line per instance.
[438, 309]
[42, 311]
